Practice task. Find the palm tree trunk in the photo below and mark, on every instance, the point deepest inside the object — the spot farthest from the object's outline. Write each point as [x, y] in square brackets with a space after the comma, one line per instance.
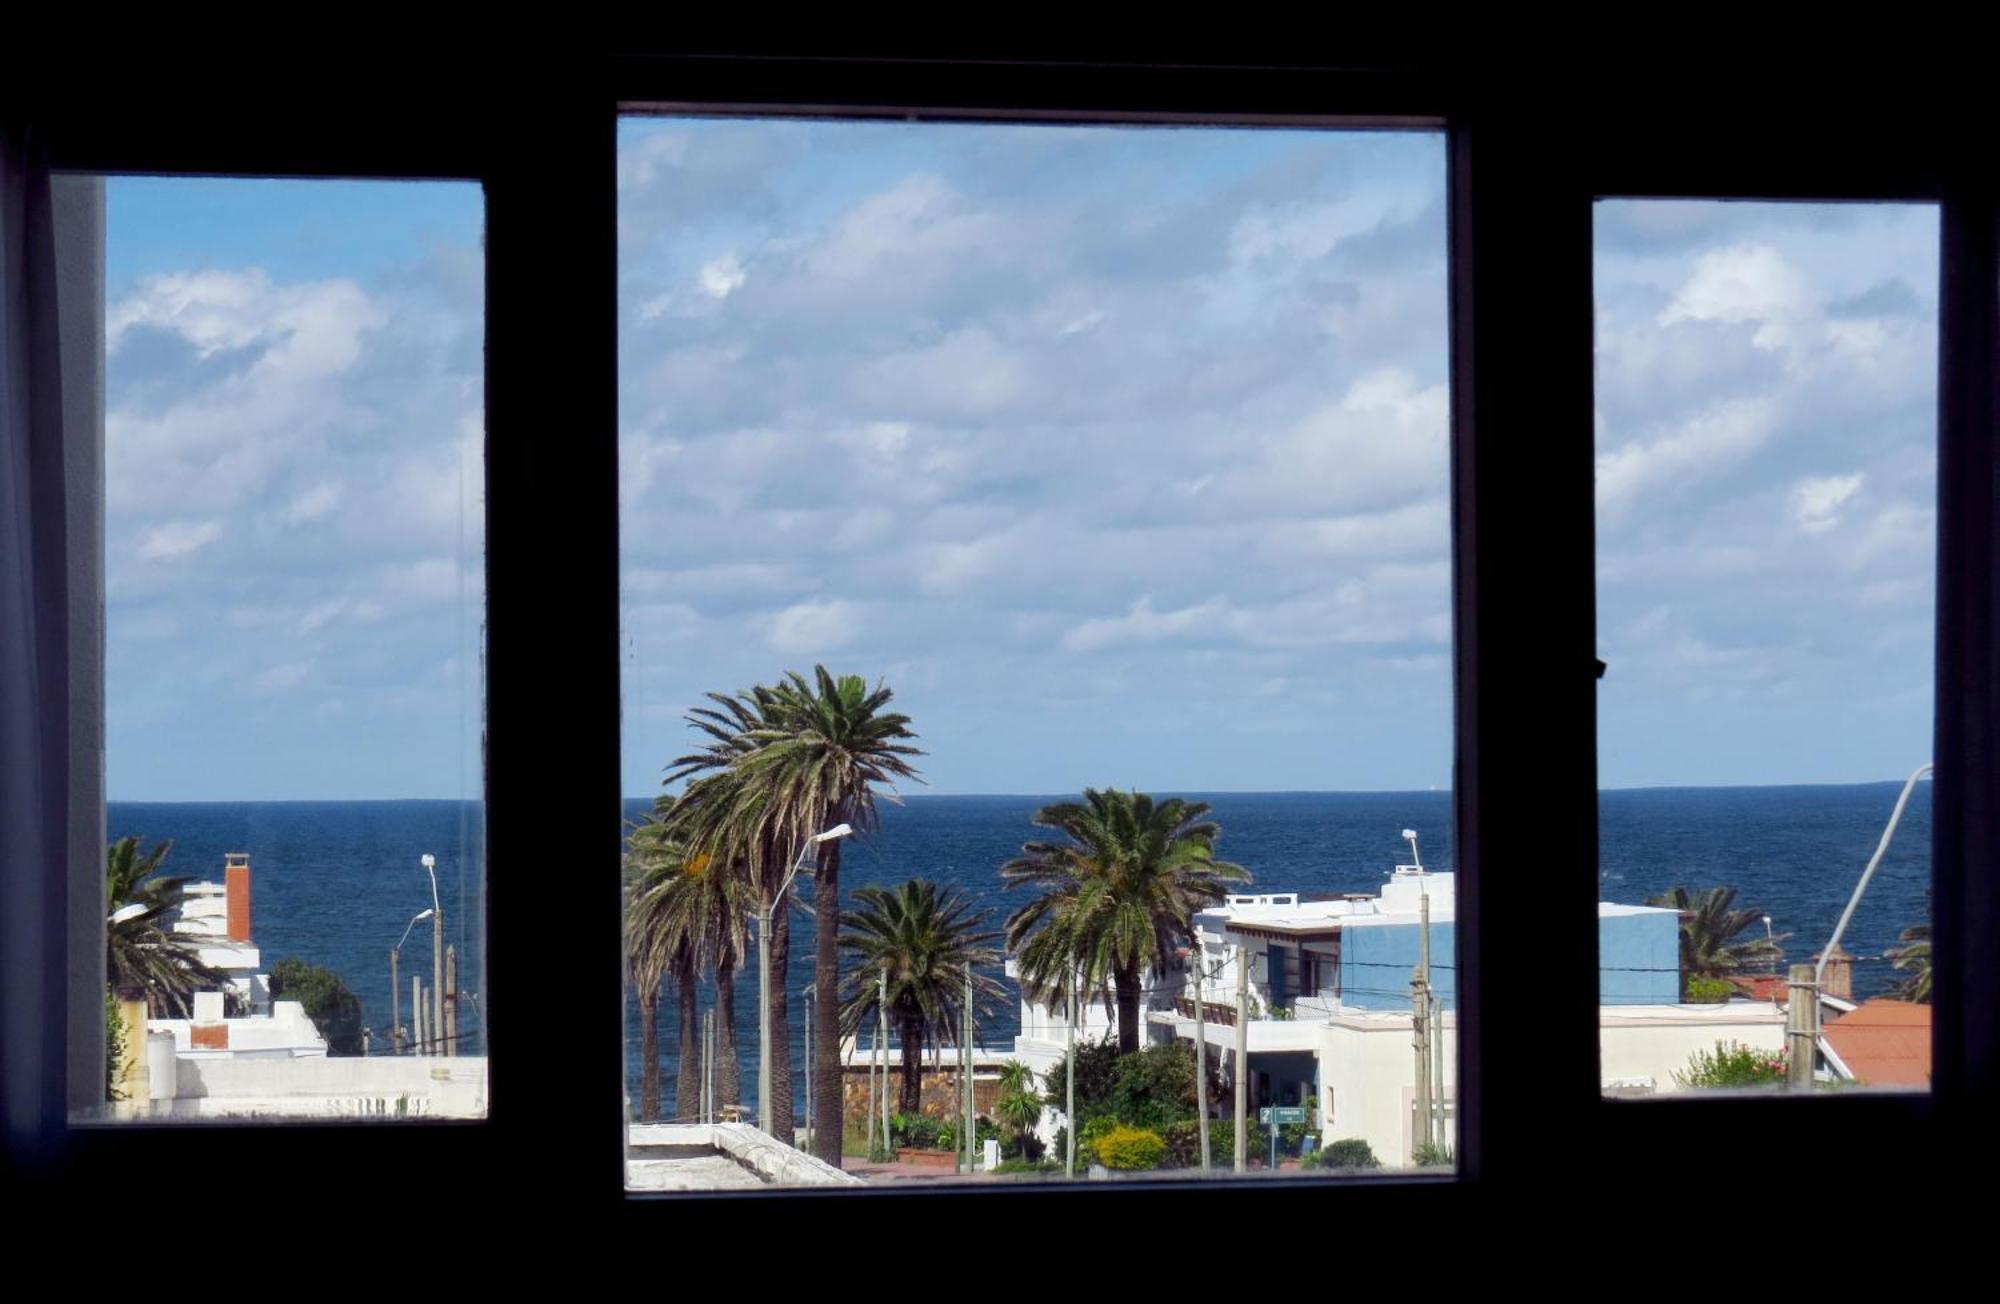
[1127, 983]
[728, 1067]
[649, 1054]
[913, 1066]
[828, 1097]
[783, 1117]
[687, 1085]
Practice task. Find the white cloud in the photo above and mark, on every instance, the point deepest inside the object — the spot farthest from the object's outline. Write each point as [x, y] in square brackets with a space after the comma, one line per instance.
[178, 539]
[1743, 283]
[314, 503]
[1143, 624]
[812, 628]
[1816, 502]
[721, 277]
[1698, 446]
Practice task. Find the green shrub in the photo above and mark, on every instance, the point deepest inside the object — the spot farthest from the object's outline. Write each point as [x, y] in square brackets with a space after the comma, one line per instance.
[1184, 1143]
[1703, 990]
[1155, 1087]
[1015, 1166]
[1129, 1149]
[1732, 1064]
[1096, 1074]
[334, 1010]
[1431, 1155]
[1348, 1152]
[918, 1131]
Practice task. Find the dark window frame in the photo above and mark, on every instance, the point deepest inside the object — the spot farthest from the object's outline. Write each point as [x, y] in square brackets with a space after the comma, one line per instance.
[538, 132]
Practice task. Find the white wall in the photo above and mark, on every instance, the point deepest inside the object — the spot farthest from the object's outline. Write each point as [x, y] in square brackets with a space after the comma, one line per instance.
[1653, 1042]
[348, 1087]
[1367, 1082]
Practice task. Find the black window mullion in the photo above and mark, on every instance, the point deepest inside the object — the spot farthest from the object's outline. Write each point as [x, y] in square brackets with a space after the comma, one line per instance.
[1966, 821]
[554, 968]
[1525, 785]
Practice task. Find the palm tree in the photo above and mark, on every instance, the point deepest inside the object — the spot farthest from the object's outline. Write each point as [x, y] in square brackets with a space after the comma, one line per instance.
[1914, 958]
[824, 747]
[1020, 1102]
[685, 917]
[922, 939]
[1120, 894]
[1709, 928]
[140, 949]
[719, 815]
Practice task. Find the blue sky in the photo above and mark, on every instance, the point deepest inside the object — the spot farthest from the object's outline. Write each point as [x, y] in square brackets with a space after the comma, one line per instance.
[1118, 453]
[293, 489]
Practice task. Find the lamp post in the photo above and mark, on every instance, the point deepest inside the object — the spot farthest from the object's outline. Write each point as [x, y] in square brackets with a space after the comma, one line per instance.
[1807, 1038]
[809, 989]
[395, 983]
[437, 953]
[764, 1119]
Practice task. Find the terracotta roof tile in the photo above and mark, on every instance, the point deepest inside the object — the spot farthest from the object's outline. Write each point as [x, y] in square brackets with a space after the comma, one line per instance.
[1885, 1043]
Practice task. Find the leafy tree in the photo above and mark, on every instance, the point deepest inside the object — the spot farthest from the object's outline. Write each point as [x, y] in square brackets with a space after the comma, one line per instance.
[1710, 926]
[1096, 1075]
[923, 939]
[140, 948]
[1156, 1086]
[334, 1010]
[1119, 894]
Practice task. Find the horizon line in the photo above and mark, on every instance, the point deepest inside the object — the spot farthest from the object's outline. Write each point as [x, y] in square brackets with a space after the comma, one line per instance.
[924, 795]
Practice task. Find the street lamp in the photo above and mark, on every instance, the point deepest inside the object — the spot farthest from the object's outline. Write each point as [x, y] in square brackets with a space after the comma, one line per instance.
[764, 1103]
[1806, 1039]
[1410, 836]
[429, 863]
[395, 983]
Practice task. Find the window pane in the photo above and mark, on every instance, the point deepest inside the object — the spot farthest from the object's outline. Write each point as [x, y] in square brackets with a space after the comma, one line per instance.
[294, 498]
[1766, 506]
[1119, 457]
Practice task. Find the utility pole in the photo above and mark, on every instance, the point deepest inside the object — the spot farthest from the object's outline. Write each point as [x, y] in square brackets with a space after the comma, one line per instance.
[1200, 1053]
[395, 1007]
[966, 1078]
[436, 1011]
[789, 1123]
[451, 1000]
[1069, 1088]
[1420, 1130]
[1242, 1057]
[1437, 1065]
[417, 1012]
[764, 1091]
[882, 1004]
[1802, 1027]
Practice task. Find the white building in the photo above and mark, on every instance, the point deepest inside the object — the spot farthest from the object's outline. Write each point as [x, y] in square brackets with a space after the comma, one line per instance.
[1329, 1005]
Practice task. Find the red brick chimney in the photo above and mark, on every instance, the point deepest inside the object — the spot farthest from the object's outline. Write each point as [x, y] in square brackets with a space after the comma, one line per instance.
[1839, 978]
[236, 891]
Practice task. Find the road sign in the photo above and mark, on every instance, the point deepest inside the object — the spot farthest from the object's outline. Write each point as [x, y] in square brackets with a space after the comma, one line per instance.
[1281, 1114]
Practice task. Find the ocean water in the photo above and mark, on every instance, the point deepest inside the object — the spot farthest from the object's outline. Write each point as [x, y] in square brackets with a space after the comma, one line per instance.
[336, 882]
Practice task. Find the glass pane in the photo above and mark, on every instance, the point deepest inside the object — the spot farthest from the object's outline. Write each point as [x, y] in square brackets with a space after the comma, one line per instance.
[1766, 507]
[294, 500]
[1116, 460]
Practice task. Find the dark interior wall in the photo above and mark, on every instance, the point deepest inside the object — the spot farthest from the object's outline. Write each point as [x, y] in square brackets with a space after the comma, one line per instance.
[1539, 126]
